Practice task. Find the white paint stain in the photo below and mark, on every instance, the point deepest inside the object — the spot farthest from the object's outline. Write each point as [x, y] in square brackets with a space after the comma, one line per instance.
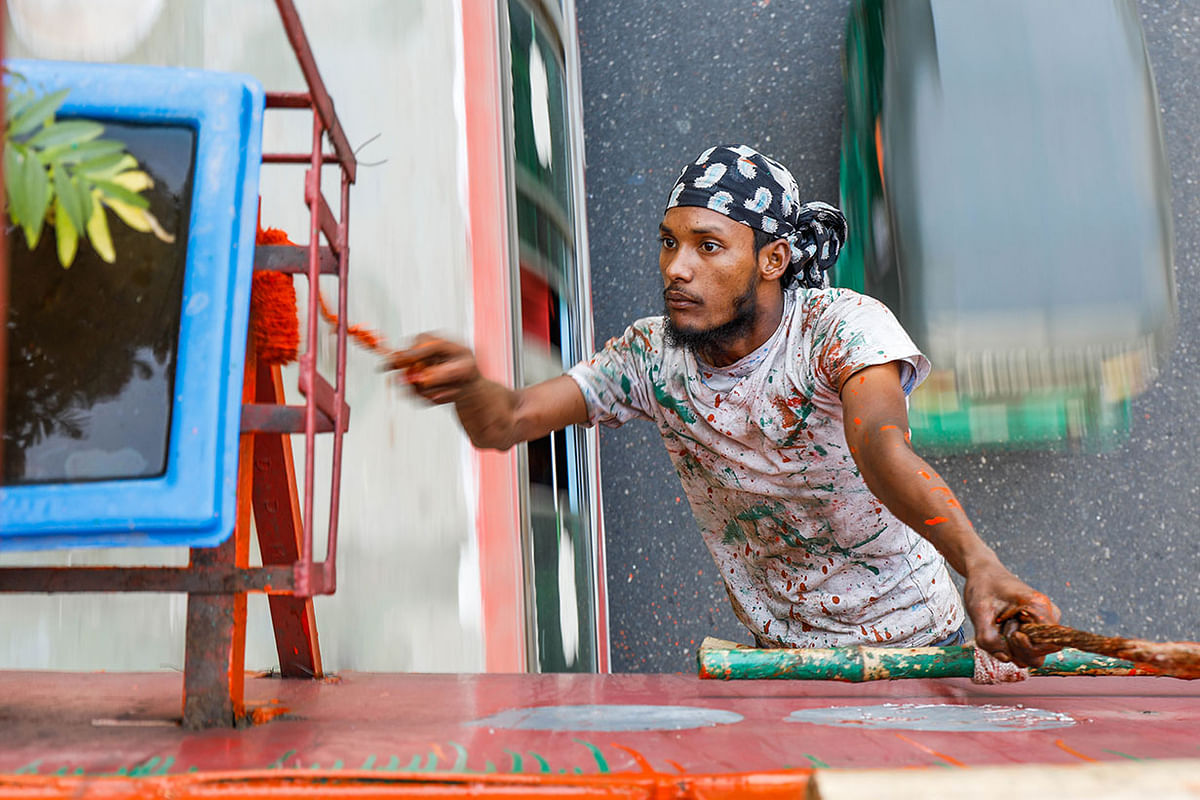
[608, 718]
[935, 717]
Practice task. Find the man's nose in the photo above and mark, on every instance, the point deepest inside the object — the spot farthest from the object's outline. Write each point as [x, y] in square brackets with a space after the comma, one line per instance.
[678, 267]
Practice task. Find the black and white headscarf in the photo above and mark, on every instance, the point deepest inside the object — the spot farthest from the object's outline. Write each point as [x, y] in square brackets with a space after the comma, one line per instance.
[746, 186]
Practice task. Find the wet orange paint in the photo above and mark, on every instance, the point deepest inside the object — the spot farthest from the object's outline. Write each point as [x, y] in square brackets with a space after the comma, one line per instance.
[945, 489]
[935, 520]
[858, 421]
[930, 750]
[640, 759]
[923, 474]
[889, 428]
[1061, 745]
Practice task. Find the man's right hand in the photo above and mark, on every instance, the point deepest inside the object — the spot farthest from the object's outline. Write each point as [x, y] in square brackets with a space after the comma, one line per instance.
[439, 370]
[493, 416]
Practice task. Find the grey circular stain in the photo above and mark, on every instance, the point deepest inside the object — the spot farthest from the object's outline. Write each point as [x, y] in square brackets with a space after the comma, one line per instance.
[608, 718]
[935, 717]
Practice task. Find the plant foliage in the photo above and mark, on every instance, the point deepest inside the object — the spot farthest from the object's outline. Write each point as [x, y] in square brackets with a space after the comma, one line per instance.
[61, 174]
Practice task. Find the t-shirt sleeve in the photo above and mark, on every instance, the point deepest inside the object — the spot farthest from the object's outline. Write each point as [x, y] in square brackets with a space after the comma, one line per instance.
[614, 381]
[856, 332]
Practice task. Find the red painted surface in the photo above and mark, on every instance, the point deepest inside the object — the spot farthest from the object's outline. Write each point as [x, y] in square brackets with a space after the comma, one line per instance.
[497, 510]
[123, 724]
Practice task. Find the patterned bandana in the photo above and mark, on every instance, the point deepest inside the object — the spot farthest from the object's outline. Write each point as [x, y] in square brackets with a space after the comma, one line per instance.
[746, 186]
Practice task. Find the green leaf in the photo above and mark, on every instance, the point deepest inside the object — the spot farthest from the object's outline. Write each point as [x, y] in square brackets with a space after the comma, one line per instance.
[18, 203]
[38, 112]
[35, 185]
[122, 194]
[98, 233]
[126, 162]
[76, 203]
[84, 155]
[67, 234]
[18, 101]
[73, 132]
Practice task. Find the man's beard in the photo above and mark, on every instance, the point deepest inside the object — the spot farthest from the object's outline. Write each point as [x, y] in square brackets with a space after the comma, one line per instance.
[745, 315]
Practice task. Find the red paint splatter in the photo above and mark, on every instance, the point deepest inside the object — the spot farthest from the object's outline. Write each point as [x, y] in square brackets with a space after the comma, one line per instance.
[836, 599]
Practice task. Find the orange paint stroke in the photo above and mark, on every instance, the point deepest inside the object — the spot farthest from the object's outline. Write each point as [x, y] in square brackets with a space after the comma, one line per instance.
[678, 767]
[930, 750]
[935, 520]
[637, 757]
[1061, 745]
[945, 489]
[888, 428]
[923, 474]
[857, 421]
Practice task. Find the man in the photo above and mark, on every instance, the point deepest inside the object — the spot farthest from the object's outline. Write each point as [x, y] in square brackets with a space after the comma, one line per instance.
[783, 406]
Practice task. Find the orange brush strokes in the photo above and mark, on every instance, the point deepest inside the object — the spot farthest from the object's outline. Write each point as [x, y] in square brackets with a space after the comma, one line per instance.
[930, 750]
[637, 757]
[935, 520]
[1061, 745]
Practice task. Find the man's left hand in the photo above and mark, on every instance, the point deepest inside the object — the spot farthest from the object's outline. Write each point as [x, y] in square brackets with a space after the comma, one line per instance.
[998, 601]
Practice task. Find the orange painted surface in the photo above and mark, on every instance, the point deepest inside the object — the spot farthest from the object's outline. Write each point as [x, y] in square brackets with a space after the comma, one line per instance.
[497, 509]
[358, 784]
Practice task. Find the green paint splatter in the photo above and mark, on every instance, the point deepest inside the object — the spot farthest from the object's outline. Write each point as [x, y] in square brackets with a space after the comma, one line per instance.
[279, 762]
[392, 765]
[816, 762]
[517, 761]
[369, 763]
[601, 762]
[1123, 755]
[541, 761]
[671, 403]
[460, 761]
[337, 764]
[30, 769]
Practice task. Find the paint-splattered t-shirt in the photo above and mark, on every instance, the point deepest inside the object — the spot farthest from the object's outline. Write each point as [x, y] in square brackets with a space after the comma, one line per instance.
[809, 556]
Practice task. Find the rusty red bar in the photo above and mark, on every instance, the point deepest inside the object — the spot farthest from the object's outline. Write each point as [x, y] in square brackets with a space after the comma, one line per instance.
[327, 397]
[268, 418]
[194, 579]
[292, 259]
[297, 158]
[341, 414]
[321, 101]
[308, 361]
[289, 100]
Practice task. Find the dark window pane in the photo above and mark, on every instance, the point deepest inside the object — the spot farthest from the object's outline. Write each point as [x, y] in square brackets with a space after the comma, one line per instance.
[91, 349]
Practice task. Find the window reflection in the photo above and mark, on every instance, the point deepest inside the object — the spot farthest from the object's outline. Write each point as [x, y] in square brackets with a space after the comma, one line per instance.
[559, 542]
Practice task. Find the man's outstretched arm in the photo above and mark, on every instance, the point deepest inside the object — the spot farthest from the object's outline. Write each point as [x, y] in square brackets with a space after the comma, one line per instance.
[493, 416]
[876, 423]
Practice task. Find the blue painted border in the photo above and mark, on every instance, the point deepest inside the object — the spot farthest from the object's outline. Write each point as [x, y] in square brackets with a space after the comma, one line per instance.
[193, 503]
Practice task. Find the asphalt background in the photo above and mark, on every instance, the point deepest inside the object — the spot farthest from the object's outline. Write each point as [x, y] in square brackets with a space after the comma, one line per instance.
[1113, 537]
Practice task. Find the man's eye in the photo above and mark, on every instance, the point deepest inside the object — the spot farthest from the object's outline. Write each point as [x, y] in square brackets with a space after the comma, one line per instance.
[666, 241]
[710, 247]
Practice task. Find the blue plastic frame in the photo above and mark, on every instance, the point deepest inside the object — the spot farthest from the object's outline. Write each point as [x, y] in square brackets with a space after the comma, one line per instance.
[194, 502]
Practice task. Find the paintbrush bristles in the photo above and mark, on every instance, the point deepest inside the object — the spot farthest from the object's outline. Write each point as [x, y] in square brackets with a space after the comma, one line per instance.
[1176, 659]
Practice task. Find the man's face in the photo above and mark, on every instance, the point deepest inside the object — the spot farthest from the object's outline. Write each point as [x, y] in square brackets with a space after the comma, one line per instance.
[710, 277]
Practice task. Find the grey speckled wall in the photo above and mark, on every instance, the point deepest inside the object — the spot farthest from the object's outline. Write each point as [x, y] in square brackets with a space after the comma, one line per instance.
[1114, 538]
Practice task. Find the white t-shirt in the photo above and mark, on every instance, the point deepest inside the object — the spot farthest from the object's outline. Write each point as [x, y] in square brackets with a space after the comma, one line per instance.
[809, 556]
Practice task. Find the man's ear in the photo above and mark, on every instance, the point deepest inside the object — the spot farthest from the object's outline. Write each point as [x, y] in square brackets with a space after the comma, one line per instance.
[773, 259]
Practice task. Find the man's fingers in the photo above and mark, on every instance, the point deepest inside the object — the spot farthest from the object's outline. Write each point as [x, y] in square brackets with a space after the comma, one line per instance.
[425, 348]
[1024, 652]
[988, 637]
